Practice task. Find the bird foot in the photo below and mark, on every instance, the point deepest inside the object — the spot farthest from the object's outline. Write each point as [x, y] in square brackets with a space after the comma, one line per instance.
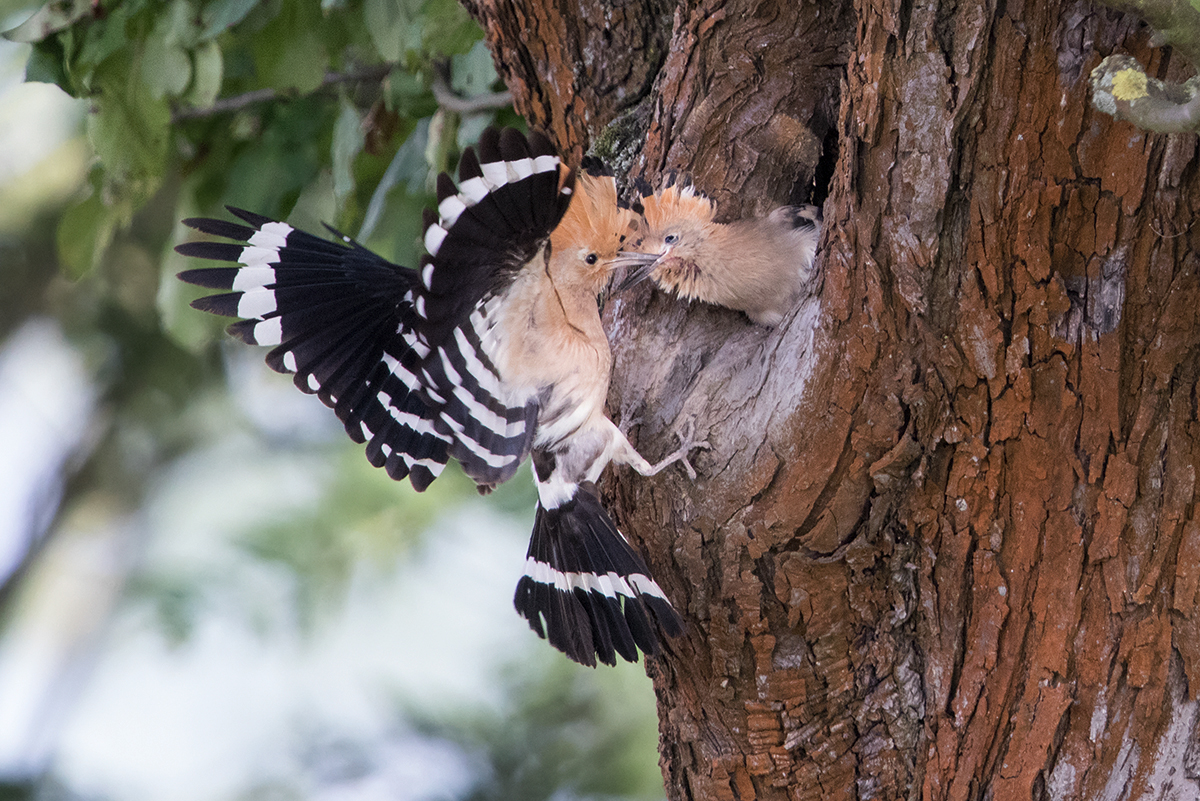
[687, 443]
[631, 416]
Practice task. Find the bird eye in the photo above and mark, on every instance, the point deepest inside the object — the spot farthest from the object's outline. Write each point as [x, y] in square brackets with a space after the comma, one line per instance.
[592, 258]
[671, 239]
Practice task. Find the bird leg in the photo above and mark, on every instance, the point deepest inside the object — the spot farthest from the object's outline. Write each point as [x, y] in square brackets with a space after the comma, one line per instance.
[631, 415]
[687, 442]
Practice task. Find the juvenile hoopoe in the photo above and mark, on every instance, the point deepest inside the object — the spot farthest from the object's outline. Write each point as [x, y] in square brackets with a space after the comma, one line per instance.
[758, 265]
[490, 351]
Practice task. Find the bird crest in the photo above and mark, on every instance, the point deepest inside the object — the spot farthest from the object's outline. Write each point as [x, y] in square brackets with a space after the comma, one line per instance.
[674, 203]
[595, 218]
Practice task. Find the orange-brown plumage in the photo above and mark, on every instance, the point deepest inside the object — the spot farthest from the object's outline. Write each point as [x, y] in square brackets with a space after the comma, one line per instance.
[594, 225]
[553, 339]
[759, 265]
[557, 298]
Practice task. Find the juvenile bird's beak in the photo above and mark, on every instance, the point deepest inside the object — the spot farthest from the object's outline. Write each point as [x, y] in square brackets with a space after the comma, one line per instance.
[638, 266]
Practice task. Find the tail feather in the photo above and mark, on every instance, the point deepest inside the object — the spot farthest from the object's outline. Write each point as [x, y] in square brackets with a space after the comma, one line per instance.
[614, 630]
[586, 590]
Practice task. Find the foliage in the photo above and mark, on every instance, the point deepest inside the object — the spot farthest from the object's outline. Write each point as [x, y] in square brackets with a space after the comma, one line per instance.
[309, 111]
[282, 107]
[561, 732]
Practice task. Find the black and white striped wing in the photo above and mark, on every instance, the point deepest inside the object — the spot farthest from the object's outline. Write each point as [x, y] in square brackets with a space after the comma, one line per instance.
[491, 424]
[495, 223]
[586, 590]
[341, 319]
[491, 225]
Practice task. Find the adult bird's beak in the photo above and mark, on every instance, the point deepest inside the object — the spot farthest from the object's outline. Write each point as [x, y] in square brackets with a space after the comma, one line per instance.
[638, 267]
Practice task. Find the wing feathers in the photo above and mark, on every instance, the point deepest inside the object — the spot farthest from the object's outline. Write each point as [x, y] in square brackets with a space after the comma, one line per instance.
[510, 195]
[338, 316]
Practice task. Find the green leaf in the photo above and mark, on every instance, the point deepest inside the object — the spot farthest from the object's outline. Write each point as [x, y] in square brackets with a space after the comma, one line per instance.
[130, 131]
[447, 28]
[220, 15]
[178, 25]
[289, 53]
[270, 171]
[50, 18]
[84, 233]
[409, 95]
[207, 71]
[45, 65]
[103, 39]
[443, 136]
[473, 73]
[393, 27]
[347, 142]
[399, 232]
[408, 167]
[166, 62]
[315, 205]
[166, 69]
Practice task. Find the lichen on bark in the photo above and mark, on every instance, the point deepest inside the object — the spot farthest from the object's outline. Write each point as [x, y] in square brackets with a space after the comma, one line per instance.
[1121, 88]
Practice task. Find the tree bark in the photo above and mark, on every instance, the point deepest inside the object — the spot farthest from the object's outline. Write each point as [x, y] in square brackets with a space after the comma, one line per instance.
[945, 543]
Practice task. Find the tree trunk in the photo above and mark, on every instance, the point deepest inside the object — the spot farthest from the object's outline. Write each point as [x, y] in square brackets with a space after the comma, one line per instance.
[945, 543]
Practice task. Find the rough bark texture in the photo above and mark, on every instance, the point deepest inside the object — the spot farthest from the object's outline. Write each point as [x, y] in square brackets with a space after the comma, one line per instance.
[574, 66]
[945, 544]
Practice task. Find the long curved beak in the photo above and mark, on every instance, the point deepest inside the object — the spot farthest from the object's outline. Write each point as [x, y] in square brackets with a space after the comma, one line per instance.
[638, 266]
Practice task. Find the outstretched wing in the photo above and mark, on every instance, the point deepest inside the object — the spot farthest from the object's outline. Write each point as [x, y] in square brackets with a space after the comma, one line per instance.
[488, 229]
[341, 319]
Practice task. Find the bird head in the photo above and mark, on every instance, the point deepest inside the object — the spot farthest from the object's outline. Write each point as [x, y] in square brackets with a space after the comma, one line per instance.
[678, 224]
[586, 245]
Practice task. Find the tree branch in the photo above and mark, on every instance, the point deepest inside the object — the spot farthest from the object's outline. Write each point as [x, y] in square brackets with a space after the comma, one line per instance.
[1121, 88]
[445, 96]
[228, 105]
[449, 100]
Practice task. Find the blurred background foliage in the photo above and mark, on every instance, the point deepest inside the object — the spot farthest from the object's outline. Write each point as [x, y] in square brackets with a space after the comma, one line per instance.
[206, 592]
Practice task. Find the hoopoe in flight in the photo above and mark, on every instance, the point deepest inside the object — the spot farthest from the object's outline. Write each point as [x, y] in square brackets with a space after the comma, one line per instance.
[758, 265]
[489, 352]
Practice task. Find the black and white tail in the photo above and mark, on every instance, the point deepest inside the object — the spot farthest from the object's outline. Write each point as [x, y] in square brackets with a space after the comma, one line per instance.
[487, 229]
[585, 589]
[341, 319]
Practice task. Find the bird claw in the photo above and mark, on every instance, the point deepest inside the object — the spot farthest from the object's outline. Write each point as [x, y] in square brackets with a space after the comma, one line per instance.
[687, 443]
[631, 416]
